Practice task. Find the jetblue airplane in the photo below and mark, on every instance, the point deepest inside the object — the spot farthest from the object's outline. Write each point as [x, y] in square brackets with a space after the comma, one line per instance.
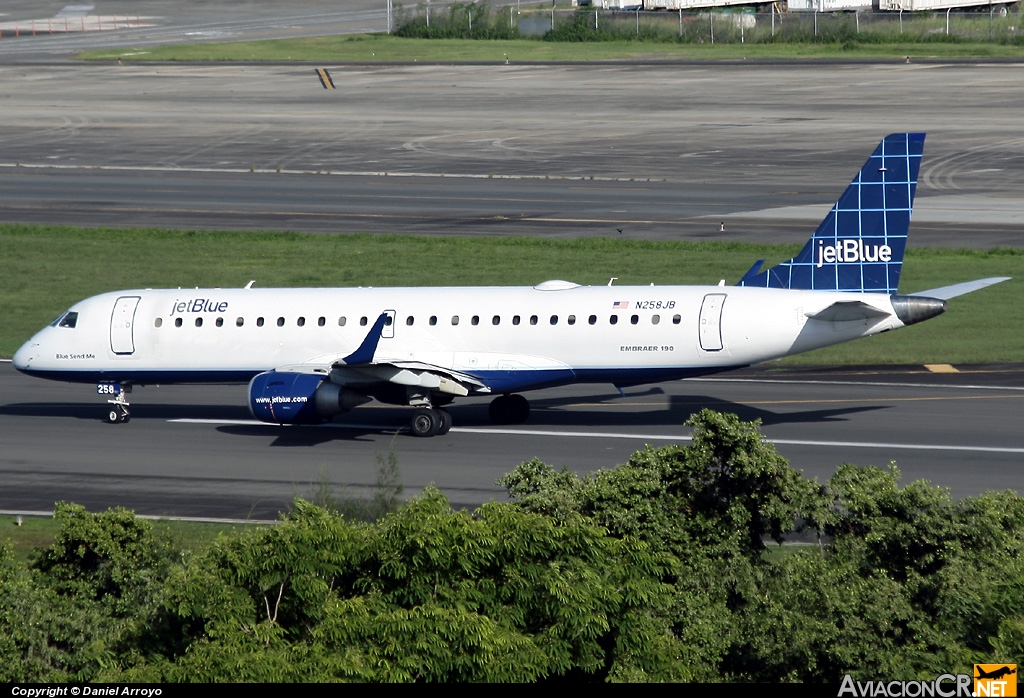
[309, 354]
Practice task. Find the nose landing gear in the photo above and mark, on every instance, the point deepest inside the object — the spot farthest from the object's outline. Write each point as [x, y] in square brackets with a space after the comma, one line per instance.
[118, 413]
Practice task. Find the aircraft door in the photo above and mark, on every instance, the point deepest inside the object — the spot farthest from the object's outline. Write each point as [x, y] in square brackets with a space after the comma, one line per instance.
[122, 340]
[389, 325]
[710, 331]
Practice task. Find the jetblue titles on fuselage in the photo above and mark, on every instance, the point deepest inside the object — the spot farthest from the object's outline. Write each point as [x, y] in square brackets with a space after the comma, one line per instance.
[198, 305]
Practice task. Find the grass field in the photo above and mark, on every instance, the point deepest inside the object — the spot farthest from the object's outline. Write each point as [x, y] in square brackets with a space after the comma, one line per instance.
[48, 268]
[374, 48]
[37, 532]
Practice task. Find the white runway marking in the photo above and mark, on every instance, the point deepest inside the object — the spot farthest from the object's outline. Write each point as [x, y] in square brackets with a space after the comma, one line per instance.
[325, 171]
[883, 384]
[633, 437]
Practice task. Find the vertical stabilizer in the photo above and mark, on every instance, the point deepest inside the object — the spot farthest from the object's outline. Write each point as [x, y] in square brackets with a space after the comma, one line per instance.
[860, 244]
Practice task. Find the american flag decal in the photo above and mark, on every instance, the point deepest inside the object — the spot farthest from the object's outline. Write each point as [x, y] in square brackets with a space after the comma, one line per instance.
[620, 305]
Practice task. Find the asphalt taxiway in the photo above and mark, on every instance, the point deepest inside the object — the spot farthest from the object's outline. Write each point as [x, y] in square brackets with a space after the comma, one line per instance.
[195, 451]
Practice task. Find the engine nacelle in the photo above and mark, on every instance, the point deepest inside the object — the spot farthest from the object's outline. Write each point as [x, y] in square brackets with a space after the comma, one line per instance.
[286, 397]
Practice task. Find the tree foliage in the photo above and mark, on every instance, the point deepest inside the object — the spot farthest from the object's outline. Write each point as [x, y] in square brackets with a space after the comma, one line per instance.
[663, 568]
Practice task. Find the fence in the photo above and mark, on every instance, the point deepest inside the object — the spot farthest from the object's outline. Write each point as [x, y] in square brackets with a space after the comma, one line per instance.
[736, 26]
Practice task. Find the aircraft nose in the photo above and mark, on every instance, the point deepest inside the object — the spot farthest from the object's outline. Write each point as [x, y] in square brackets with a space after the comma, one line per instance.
[24, 356]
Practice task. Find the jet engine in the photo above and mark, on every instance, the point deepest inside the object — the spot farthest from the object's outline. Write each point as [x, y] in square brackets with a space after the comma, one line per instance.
[287, 397]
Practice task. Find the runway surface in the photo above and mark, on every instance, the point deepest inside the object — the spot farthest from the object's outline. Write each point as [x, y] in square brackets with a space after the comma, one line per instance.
[194, 451]
[659, 151]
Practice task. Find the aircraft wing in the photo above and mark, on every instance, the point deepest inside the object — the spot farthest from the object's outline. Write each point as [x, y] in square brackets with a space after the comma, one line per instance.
[412, 374]
[360, 368]
[947, 292]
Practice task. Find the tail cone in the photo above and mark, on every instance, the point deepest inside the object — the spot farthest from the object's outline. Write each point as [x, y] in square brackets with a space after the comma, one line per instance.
[914, 309]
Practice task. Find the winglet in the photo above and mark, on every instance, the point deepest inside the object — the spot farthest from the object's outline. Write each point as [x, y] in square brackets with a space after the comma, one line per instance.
[364, 354]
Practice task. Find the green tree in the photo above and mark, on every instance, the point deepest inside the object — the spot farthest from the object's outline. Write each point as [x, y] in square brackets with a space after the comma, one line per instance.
[75, 612]
[426, 593]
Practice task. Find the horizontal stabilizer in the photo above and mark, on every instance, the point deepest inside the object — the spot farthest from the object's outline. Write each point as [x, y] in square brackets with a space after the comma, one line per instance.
[847, 311]
[947, 292]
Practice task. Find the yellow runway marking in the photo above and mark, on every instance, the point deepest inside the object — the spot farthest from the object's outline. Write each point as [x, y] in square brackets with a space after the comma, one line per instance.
[941, 368]
[325, 78]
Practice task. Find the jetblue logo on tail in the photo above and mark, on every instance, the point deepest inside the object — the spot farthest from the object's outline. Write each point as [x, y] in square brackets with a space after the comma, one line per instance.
[859, 246]
[845, 251]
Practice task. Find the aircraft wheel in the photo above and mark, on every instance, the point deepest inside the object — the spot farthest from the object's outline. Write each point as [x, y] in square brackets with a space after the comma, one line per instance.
[446, 422]
[509, 409]
[425, 422]
[117, 416]
[520, 408]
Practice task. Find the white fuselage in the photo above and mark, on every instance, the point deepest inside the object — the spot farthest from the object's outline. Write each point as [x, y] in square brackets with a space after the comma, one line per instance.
[511, 338]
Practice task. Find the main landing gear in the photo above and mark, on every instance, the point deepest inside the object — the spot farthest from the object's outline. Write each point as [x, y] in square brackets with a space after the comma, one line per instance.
[433, 421]
[509, 409]
[119, 413]
[430, 421]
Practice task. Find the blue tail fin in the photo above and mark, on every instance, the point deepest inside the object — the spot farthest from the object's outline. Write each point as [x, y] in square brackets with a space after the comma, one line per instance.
[859, 246]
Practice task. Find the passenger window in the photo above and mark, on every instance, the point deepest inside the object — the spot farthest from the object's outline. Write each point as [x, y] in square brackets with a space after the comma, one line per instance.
[322, 321]
[409, 320]
[571, 319]
[301, 322]
[220, 322]
[388, 321]
[259, 322]
[554, 319]
[433, 320]
[515, 319]
[280, 322]
[239, 322]
[635, 319]
[475, 320]
[613, 319]
[592, 319]
[177, 322]
[455, 319]
[496, 320]
[362, 321]
[533, 319]
[676, 319]
[342, 321]
[199, 322]
[655, 319]
[70, 320]
[158, 322]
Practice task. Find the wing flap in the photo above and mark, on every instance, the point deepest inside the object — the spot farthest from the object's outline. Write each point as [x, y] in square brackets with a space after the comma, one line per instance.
[417, 376]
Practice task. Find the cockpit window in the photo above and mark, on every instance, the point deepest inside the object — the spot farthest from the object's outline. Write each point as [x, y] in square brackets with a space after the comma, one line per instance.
[68, 319]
